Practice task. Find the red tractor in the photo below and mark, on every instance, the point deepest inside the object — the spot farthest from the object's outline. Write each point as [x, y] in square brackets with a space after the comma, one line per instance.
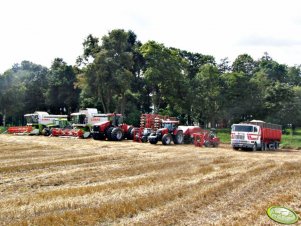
[168, 133]
[112, 129]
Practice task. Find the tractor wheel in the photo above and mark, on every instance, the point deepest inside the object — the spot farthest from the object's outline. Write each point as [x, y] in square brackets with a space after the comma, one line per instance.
[179, 137]
[207, 144]
[117, 134]
[109, 133]
[130, 133]
[166, 139]
[144, 139]
[97, 136]
[153, 140]
[46, 131]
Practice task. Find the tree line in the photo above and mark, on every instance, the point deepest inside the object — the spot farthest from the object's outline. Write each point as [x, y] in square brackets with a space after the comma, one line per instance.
[118, 73]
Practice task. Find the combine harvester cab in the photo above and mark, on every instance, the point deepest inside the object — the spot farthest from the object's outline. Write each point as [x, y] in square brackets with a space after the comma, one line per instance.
[36, 123]
[168, 133]
[256, 135]
[112, 128]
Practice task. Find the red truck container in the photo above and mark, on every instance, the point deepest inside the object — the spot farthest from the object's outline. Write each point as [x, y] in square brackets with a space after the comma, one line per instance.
[256, 135]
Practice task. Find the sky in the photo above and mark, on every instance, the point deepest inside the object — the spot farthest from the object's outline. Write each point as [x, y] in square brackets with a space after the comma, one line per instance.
[41, 30]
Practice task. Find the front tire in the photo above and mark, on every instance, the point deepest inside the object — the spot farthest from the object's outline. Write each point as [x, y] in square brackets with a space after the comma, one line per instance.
[153, 140]
[179, 137]
[166, 139]
[117, 134]
[254, 148]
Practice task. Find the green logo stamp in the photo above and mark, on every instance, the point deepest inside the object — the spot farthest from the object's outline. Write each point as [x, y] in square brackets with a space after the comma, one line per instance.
[282, 215]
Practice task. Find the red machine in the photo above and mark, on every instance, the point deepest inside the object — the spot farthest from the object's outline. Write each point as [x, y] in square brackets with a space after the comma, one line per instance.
[168, 133]
[206, 138]
[188, 133]
[149, 123]
[112, 129]
[19, 129]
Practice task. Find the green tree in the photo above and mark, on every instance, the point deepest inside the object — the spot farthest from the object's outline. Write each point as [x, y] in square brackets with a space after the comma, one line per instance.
[274, 70]
[165, 75]
[62, 95]
[207, 91]
[107, 80]
[244, 63]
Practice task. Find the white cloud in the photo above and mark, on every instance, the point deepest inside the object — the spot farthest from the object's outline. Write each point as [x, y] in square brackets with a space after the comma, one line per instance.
[39, 31]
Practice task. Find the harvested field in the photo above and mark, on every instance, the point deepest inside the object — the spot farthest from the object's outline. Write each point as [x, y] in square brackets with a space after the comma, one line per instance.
[54, 181]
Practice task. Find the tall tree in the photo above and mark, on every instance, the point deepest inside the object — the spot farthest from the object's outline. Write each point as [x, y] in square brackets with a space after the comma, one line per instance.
[244, 63]
[109, 77]
[61, 95]
[207, 91]
[164, 75]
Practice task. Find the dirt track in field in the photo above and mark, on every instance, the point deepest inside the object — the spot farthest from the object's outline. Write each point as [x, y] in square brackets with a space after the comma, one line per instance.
[56, 181]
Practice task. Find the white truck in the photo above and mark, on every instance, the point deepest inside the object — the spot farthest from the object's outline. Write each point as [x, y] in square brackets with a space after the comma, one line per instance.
[255, 135]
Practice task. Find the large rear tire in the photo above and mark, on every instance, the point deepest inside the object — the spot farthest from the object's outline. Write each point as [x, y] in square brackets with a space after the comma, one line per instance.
[179, 137]
[109, 132]
[117, 134]
[166, 139]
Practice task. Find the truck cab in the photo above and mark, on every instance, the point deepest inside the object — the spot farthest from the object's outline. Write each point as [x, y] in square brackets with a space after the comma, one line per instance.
[245, 136]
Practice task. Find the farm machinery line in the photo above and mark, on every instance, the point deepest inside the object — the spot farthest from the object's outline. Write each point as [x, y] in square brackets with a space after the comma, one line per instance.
[88, 122]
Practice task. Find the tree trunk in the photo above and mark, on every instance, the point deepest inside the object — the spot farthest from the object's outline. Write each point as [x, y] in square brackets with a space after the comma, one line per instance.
[122, 105]
[4, 118]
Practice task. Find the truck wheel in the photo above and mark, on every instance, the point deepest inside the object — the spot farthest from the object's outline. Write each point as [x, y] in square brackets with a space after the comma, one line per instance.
[166, 139]
[254, 147]
[179, 137]
[235, 148]
[109, 132]
[263, 146]
[117, 134]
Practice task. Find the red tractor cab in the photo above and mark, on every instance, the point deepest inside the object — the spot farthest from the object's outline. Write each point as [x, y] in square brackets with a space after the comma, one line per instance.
[168, 133]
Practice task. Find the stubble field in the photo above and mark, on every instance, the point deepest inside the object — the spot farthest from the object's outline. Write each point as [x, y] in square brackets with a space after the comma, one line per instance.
[55, 181]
